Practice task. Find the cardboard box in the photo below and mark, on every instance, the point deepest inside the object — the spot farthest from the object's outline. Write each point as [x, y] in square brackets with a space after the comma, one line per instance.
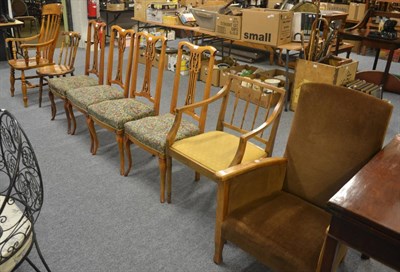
[272, 3]
[115, 7]
[224, 73]
[228, 26]
[356, 11]
[140, 10]
[331, 73]
[267, 26]
[338, 7]
[273, 73]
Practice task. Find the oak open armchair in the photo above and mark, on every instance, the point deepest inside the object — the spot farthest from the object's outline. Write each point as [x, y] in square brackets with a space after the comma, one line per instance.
[21, 195]
[246, 129]
[275, 208]
[37, 50]
[150, 133]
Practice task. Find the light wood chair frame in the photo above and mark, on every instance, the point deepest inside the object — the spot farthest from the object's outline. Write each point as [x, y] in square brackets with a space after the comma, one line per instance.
[65, 64]
[254, 132]
[144, 91]
[94, 64]
[195, 62]
[43, 48]
[118, 41]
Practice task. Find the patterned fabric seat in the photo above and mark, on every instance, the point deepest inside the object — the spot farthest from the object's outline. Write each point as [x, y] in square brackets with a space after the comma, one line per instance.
[116, 113]
[86, 96]
[62, 84]
[152, 131]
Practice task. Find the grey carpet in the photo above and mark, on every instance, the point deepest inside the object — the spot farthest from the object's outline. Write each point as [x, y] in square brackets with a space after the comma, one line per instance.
[95, 220]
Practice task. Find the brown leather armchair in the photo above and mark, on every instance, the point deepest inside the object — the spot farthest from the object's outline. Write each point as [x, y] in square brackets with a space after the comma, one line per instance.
[274, 208]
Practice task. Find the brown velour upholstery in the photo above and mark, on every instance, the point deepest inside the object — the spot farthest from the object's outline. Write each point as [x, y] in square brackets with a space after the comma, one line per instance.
[274, 208]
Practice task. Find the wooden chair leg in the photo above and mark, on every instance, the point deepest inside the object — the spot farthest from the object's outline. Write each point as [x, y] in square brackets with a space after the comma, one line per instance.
[24, 89]
[72, 123]
[120, 142]
[169, 178]
[53, 106]
[162, 166]
[40, 91]
[12, 81]
[219, 246]
[94, 143]
[68, 115]
[128, 155]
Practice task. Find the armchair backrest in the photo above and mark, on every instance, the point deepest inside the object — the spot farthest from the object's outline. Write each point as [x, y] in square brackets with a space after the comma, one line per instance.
[255, 110]
[149, 55]
[68, 50]
[335, 132]
[95, 47]
[50, 28]
[193, 63]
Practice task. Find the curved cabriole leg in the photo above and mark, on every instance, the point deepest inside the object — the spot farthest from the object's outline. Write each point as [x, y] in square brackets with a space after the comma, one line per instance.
[53, 106]
[68, 115]
[12, 81]
[24, 89]
[72, 120]
[120, 142]
[128, 154]
[169, 178]
[219, 246]
[93, 134]
[162, 164]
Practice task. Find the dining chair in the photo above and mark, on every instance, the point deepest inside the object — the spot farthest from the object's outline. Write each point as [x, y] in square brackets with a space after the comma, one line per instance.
[93, 73]
[37, 50]
[141, 102]
[275, 208]
[246, 129]
[21, 196]
[66, 60]
[119, 71]
[150, 133]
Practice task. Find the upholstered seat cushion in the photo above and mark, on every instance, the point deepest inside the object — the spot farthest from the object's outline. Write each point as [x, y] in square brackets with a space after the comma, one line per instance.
[14, 246]
[215, 150]
[86, 96]
[118, 112]
[62, 84]
[258, 226]
[152, 131]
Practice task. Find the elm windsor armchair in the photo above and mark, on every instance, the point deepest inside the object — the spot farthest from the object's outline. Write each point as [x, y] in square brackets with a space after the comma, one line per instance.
[43, 49]
[113, 114]
[275, 208]
[21, 195]
[252, 116]
[117, 86]
[65, 63]
[150, 133]
[94, 69]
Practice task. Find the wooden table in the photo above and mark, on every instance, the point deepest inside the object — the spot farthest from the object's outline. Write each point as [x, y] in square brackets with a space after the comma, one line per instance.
[366, 211]
[4, 27]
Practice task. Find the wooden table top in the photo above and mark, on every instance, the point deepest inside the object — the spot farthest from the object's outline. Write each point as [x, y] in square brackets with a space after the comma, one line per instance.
[8, 25]
[372, 196]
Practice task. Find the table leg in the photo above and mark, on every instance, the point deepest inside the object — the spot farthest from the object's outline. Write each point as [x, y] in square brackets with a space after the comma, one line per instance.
[386, 72]
[287, 80]
[376, 58]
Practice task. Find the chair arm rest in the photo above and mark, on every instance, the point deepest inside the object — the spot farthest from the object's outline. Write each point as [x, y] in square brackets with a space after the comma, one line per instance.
[244, 183]
[26, 39]
[189, 108]
[36, 45]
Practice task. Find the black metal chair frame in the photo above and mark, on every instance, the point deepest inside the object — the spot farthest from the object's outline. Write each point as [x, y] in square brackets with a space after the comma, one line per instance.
[21, 187]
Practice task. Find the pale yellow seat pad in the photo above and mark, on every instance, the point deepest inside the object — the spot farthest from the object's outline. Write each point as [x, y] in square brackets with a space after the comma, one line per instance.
[215, 150]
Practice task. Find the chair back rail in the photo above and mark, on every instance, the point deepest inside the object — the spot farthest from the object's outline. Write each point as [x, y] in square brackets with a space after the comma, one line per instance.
[149, 56]
[119, 47]
[95, 42]
[69, 48]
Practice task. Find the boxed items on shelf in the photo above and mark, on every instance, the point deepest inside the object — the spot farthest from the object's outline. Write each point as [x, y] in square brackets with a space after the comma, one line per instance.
[228, 26]
[115, 7]
[157, 10]
[267, 26]
[356, 11]
[206, 16]
[236, 70]
[334, 70]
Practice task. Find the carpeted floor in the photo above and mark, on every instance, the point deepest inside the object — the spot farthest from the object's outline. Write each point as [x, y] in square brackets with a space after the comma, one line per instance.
[95, 220]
